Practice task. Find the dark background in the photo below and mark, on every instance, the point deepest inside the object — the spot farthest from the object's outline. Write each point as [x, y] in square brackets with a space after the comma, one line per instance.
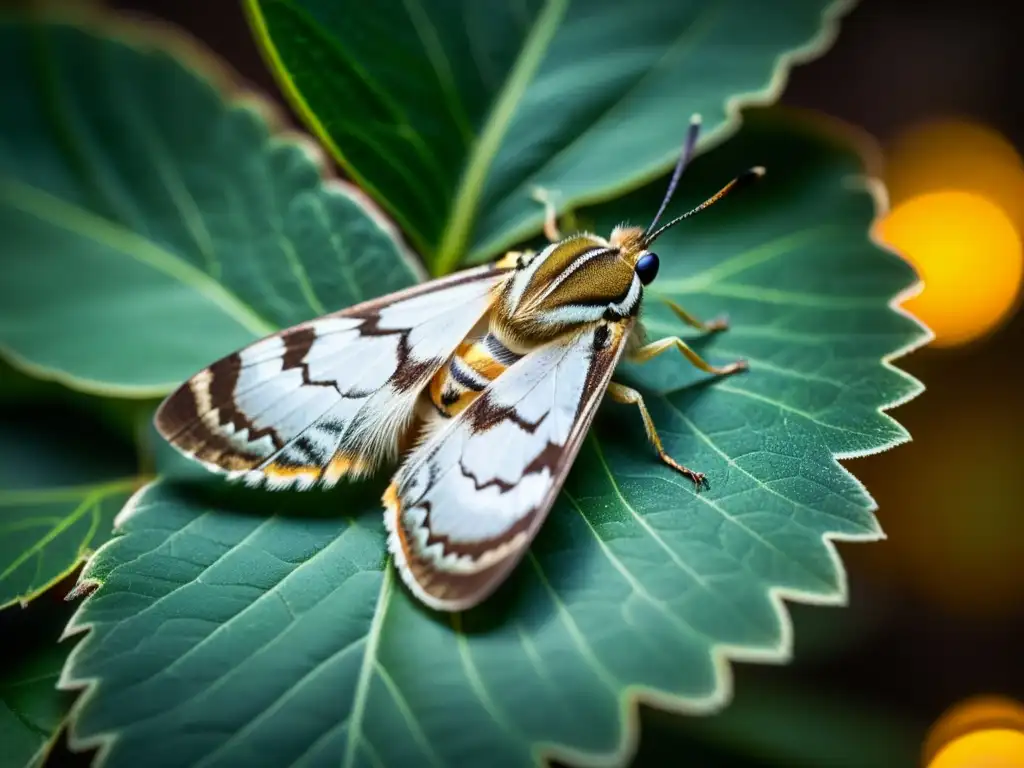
[935, 611]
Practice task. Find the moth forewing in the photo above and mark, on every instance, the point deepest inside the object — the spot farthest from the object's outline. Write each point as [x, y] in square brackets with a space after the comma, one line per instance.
[328, 398]
[464, 507]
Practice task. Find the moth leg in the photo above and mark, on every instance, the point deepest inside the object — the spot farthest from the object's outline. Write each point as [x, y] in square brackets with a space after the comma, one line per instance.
[551, 230]
[711, 326]
[655, 348]
[628, 396]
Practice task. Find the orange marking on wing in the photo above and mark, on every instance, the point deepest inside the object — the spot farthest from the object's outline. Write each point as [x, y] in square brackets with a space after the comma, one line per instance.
[422, 574]
[390, 499]
[282, 472]
[344, 464]
[393, 507]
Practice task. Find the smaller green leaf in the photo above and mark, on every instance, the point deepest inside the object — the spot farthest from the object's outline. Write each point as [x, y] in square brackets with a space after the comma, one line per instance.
[151, 224]
[62, 482]
[32, 708]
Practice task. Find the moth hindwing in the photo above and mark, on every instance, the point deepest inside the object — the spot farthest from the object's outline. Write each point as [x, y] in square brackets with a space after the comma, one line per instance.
[487, 381]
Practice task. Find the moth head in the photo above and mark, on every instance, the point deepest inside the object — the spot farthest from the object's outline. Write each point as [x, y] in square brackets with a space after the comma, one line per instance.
[634, 243]
[585, 278]
[570, 283]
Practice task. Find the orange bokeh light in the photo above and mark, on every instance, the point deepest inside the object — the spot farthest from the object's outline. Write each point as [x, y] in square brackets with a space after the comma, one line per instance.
[996, 748]
[956, 154]
[957, 191]
[981, 732]
[969, 255]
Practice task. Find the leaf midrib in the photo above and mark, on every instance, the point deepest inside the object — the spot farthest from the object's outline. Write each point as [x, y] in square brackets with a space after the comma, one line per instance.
[85, 505]
[23, 719]
[367, 667]
[467, 197]
[268, 49]
[86, 224]
[695, 28]
[67, 493]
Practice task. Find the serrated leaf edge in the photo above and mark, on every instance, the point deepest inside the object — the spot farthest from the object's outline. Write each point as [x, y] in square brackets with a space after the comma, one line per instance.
[723, 655]
[765, 95]
[734, 106]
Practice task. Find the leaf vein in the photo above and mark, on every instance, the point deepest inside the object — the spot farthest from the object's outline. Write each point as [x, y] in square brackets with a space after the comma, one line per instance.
[403, 706]
[606, 676]
[366, 669]
[635, 584]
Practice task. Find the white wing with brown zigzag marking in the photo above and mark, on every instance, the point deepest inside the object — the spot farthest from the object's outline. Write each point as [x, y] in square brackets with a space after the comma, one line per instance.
[330, 397]
[465, 506]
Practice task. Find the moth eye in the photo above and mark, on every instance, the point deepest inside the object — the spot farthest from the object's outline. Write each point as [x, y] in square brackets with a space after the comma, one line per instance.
[647, 267]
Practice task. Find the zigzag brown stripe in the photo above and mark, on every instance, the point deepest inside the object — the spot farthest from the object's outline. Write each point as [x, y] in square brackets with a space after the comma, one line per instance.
[485, 414]
[443, 585]
[177, 412]
[196, 396]
[214, 388]
[214, 391]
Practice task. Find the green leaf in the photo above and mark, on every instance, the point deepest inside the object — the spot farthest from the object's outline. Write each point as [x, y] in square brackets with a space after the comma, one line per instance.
[449, 113]
[62, 482]
[32, 709]
[151, 226]
[254, 628]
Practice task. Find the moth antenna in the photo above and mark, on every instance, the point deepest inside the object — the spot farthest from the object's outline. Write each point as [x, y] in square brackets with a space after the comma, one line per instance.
[684, 159]
[743, 180]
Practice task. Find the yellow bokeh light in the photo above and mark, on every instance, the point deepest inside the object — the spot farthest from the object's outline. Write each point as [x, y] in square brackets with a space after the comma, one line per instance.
[996, 748]
[956, 154]
[980, 732]
[969, 256]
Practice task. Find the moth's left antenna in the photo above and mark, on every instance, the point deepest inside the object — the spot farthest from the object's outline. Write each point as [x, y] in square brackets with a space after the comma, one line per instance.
[684, 159]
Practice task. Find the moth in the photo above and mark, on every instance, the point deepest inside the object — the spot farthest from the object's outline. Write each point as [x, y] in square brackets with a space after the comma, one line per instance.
[485, 381]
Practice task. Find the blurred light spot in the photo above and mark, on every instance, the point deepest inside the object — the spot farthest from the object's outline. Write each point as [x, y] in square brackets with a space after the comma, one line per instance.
[969, 256]
[981, 732]
[956, 154]
[983, 749]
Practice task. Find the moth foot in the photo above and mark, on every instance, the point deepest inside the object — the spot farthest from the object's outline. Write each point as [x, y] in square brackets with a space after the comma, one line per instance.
[735, 367]
[542, 195]
[546, 197]
[720, 323]
[699, 478]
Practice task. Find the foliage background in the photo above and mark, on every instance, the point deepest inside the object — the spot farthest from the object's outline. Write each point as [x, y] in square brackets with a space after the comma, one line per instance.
[933, 619]
[929, 623]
